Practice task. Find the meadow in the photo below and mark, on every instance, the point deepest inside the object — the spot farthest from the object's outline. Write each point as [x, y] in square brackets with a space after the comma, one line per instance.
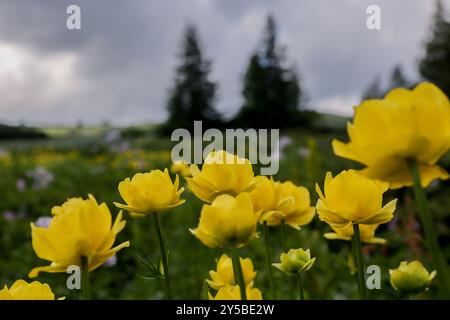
[35, 175]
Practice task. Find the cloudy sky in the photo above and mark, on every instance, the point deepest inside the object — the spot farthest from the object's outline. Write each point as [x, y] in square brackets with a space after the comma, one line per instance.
[120, 65]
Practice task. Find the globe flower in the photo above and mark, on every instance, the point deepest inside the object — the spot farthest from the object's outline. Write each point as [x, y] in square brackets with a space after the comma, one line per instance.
[22, 290]
[151, 192]
[406, 125]
[227, 222]
[411, 277]
[222, 173]
[350, 198]
[367, 232]
[180, 167]
[224, 275]
[266, 199]
[79, 228]
[298, 211]
[229, 292]
[295, 261]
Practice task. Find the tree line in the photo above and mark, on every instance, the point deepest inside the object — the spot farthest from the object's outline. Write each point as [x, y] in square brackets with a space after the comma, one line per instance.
[271, 90]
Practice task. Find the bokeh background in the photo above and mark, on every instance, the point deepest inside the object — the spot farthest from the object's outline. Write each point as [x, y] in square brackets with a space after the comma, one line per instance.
[80, 110]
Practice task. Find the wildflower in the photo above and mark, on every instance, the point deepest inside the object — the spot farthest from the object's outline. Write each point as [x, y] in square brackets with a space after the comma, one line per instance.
[41, 177]
[229, 292]
[151, 192]
[222, 173]
[266, 199]
[350, 198]
[411, 277]
[180, 167]
[406, 125]
[224, 275]
[295, 261]
[22, 290]
[297, 212]
[346, 233]
[227, 222]
[70, 237]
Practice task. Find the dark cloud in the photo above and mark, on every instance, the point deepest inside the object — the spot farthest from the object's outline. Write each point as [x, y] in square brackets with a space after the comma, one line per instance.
[119, 66]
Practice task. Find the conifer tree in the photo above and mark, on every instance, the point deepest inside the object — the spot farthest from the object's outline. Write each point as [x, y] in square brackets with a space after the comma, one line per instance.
[271, 90]
[435, 65]
[193, 95]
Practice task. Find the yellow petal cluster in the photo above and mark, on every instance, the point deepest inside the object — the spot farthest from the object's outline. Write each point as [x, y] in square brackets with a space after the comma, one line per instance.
[350, 198]
[410, 277]
[228, 221]
[22, 290]
[79, 228]
[279, 202]
[298, 212]
[406, 124]
[266, 198]
[366, 232]
[221, 173]
[229, 292]
[180, 167]
[295, 261]
[150, 192]
[223, 275]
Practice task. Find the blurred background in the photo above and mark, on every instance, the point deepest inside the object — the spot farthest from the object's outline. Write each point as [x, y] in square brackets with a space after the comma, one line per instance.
[80, 110]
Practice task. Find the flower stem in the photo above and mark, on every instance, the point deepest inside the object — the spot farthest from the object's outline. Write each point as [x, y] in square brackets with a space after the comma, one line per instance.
[359, 262]
[431, 239]
[85, 283]
[237, 272]
[163, 251]
[300, 285]
[283, 235]
[268, 263]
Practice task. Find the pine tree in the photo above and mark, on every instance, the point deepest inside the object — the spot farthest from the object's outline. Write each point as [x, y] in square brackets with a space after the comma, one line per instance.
[398, 79]
[435, 65]
[271, 91]
[193, 95]
[373, 91]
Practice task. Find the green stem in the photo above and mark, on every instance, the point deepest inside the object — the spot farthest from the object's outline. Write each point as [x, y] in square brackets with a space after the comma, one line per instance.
[300, 285]
[283, 235]
[163, 252]
[431, 239]
[85, 283]
[355, 260]
[359, 261]
[268, 261]
[238, 274]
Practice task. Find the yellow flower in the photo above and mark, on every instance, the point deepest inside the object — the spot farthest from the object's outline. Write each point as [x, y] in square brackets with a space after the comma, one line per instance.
[410, 277]
[367, 233]
[180, 167]
[350, 198]
[224, 274]
[295, 261]
[150, 192]
[406, 124]
[79, 228]
[298, 212]
[266, 199]
[227, 222]
[22, 290]
[233, 293]
[222, 173]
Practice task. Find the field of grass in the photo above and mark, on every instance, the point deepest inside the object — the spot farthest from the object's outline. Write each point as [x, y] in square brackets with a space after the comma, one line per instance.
[36, 175]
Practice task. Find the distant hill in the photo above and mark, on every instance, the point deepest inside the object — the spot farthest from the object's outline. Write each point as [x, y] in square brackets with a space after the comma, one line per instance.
[20, 132]
[331, 121]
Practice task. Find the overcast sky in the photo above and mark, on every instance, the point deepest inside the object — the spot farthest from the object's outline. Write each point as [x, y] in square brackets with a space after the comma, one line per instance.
[120, 65]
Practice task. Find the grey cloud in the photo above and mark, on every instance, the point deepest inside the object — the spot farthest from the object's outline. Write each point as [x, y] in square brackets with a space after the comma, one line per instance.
[125, 54]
